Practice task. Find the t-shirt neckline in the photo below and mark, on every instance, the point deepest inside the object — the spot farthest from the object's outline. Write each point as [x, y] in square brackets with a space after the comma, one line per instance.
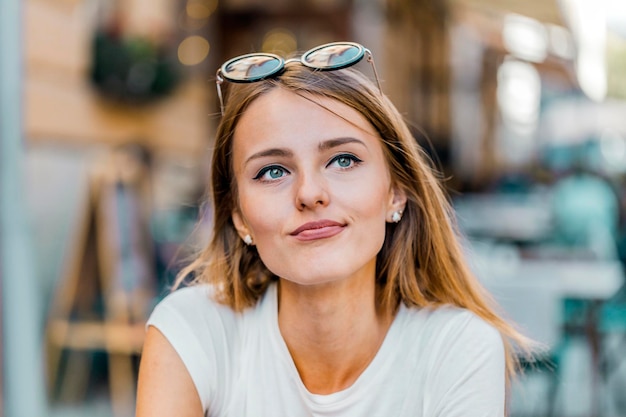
[383, 356]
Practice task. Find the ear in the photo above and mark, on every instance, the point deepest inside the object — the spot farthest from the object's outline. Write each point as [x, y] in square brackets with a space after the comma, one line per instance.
[397, 202]
[240, 224]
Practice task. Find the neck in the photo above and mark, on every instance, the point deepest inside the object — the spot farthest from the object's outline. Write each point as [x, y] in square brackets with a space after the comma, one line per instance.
[333, 331]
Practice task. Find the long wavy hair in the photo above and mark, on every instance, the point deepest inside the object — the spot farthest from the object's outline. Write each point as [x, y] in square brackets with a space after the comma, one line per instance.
[421, 263]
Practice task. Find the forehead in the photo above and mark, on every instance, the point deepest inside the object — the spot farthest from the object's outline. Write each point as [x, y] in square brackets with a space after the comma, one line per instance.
[281, 112]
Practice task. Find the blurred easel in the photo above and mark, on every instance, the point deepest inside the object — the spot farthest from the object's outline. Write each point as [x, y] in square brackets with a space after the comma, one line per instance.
[103, 300]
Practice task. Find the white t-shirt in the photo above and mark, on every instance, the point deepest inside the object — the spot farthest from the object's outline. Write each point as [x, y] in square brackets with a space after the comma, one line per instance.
[433, 362]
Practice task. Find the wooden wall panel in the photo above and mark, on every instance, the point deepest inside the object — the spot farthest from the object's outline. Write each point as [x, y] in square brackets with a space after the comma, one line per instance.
[56, 37]
[418, 64]
[73, 113]
[61, 105]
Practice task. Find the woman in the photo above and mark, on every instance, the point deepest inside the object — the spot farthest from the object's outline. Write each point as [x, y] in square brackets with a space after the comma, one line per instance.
[334, 284]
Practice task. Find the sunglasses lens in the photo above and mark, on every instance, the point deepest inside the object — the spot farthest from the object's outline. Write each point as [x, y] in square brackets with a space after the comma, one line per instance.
[252, 67]
[334, 56]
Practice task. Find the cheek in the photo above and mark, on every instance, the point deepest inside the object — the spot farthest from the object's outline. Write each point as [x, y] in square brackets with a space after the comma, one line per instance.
[367, 198]
[261, 214]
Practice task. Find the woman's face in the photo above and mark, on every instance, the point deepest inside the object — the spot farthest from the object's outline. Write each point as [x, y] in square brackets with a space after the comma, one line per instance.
[314, 189]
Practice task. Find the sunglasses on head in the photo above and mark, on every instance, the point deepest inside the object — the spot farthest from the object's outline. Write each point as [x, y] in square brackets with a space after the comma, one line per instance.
[254, 67]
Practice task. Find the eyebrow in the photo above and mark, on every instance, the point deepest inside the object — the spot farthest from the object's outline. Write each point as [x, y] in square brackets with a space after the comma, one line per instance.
[332, 143]
[270, 152]
[323, 146]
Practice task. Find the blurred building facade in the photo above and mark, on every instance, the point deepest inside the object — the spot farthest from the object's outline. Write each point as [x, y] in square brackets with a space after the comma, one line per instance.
[496, 91]
[63, 105]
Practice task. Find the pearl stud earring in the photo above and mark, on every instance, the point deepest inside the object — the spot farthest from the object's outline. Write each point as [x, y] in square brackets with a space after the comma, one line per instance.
[396, 216]
[247, 239]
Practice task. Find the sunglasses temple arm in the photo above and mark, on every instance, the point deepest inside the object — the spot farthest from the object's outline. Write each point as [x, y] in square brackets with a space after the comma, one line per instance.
[218, 85]
[370, 59]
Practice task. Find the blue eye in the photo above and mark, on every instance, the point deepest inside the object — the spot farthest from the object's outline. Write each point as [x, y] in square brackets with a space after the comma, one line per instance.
[345, 161]
[272, 172]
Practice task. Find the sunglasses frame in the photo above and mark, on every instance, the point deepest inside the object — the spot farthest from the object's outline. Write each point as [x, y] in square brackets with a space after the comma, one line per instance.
[222, 72]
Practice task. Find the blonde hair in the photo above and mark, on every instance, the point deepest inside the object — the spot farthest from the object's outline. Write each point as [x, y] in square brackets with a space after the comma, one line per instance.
[421, 262]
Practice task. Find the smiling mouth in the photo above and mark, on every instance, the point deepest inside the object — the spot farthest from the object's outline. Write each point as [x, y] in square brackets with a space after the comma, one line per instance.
[317, 230]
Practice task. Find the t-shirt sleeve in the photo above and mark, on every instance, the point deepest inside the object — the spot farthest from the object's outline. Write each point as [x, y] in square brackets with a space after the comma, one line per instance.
[468, 372]
[193, 325]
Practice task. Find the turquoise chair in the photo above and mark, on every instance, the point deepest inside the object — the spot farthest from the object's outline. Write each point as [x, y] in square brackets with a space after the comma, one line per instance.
[586, 220]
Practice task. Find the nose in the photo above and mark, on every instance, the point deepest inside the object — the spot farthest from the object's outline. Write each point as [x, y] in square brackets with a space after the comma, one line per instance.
[311, 191]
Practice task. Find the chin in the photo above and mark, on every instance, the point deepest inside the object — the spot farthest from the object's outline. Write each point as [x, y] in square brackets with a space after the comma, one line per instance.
[322, 268]
[319, 278]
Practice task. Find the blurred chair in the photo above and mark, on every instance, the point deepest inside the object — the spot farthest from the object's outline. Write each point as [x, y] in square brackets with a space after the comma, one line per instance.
[102, 302]
[586, 213]
[586, 216]
[534, 307]
[612, 362]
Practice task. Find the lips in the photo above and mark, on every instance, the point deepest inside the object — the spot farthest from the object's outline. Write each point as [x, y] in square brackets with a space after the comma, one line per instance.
[318, 230]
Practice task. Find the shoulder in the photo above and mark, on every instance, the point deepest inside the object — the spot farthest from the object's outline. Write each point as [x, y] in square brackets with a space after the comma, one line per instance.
[463, 360]
[453, 334]
[194, 305]
[198, 295]
[164, 386]
[190, 316]
[202, 332]
[448, 322]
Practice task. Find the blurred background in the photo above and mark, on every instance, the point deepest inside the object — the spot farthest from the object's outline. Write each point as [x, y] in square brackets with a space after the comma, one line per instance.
[107, 114]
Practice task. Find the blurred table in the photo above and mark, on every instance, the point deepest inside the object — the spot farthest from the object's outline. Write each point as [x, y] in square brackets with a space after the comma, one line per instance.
[578, 279]
[532, 292]
[518, 218]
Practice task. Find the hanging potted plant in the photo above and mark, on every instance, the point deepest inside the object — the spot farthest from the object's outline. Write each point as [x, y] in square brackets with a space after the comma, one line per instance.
[130, 67]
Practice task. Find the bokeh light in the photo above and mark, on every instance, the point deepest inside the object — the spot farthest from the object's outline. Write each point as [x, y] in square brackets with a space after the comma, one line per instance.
[199, 9]
[525, 38]
[519, 93]
[193, 50]
[280, 41]
[613, 150]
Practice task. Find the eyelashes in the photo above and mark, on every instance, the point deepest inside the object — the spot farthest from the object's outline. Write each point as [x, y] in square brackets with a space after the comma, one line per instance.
[342, 162]
[271, 173]
[345, 161]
